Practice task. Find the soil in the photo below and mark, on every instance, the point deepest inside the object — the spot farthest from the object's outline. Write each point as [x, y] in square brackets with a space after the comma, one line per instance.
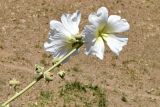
[131, 80]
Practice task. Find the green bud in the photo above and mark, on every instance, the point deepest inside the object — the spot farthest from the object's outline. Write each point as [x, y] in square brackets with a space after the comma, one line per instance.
[55, 60]
[14, 82]
[61, 74]
[78, 36]
[39, 69]
[48, 76]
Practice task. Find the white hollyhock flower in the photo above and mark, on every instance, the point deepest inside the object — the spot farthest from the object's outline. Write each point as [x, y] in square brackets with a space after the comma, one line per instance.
[103, 30]
[62, 36]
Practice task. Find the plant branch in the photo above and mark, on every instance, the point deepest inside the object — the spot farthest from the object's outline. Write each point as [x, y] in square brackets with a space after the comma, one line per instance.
[40, 77]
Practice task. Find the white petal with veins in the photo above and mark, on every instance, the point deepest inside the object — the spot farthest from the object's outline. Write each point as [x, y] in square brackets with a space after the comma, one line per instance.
[115, 43]
[97, 48]
[117, 24]
[58, 27]
[89, 32]
[99, 17]
[71, 22]
[62, 35]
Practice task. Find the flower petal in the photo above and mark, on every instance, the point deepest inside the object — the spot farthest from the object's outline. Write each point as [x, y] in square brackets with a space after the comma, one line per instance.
[71, 22]
[99, 17]
[56, 26]
[56, 43]
[115, 43]
[58, 46]
[117, 24]
[89, 33]
[96, 48]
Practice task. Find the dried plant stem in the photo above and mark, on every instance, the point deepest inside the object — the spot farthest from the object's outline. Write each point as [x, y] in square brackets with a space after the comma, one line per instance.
[39, 77]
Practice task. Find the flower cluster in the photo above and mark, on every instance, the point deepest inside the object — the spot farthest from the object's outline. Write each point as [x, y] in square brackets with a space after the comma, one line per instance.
[103, 29]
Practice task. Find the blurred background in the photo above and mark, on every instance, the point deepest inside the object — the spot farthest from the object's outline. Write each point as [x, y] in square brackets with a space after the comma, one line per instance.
[130, 80]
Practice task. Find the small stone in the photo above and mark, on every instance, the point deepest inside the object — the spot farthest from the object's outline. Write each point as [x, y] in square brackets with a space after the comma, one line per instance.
[124, 99]
[119, 11]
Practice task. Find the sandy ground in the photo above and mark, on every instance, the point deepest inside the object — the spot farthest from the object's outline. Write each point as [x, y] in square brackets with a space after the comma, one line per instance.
[131, 80]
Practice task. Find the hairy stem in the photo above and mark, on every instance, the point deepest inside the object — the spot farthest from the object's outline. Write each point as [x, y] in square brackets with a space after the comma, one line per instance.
[40, 77]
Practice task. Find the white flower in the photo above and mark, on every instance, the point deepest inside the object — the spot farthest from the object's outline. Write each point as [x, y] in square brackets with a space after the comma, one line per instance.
[62, 36]
[103, 30]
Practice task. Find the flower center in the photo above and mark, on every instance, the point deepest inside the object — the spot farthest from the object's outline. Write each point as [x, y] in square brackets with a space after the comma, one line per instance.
[102, 29]
[75, 40]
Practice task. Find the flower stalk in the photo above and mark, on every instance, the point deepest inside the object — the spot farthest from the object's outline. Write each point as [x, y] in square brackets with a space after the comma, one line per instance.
[41, 76]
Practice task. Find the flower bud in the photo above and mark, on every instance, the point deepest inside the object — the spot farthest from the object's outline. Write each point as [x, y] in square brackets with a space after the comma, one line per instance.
[55, 60]
[39, 69]
[61, 74]
[48, 76]
[78, 36]
[14, 82]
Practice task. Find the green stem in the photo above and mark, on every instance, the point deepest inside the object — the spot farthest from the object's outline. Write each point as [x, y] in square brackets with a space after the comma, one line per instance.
[20, 93]
[39, 78]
